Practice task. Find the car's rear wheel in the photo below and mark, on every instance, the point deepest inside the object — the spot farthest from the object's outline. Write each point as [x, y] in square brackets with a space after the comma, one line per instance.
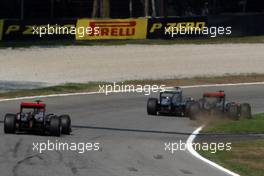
[233, 112]
[10, 123]
[65, 124]
[245, 111]
[194, 111]
[216, 113]
[152, 106]
[55, 126]
[187, 109]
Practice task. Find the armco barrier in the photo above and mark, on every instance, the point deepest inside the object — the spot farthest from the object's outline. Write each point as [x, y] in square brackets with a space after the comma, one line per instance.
[15, 30]
[1, 28]
[157, 26]
[114, 28]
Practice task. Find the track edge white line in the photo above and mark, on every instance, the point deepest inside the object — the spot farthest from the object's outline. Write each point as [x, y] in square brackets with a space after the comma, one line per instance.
[91, 93]
[197, 155]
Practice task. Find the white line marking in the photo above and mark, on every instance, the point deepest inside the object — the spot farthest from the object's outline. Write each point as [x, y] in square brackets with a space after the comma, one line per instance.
[197, 155]
[50, 96]
[91, 93]
[219, 85]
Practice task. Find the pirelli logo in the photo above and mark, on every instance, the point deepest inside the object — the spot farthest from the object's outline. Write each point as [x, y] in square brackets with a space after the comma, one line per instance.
[115, 29]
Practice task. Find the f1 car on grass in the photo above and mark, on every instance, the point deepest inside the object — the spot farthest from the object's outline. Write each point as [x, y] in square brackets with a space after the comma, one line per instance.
[170, 102]
[33, 118]
[214, 104]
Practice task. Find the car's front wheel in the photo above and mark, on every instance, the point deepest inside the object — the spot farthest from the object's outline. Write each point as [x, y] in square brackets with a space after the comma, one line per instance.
[152, 106]
[233, 112]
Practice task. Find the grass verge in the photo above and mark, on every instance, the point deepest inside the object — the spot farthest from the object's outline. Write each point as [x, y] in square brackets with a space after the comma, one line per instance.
[60, 89]
[219, 40]
[246, 157]
[94, 86]
[254, 125]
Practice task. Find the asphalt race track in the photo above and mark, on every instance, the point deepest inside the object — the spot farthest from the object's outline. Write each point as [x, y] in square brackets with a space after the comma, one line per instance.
[132, 143]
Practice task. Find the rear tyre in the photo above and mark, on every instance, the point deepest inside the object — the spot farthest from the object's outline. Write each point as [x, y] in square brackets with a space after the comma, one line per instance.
[55, 126]
[65, 124]
[187, 109]
[10, 123]
[245, 111]
[233, 112]
[194, 110]
[215, 113]
[152, 106]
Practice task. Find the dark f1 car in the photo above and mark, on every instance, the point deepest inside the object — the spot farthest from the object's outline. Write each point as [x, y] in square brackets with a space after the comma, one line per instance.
[170, 102]
[215, 104]
[33, 118]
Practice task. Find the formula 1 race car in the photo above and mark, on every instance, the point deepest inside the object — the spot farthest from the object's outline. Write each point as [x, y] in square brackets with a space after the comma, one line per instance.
[170, 102]
[215, 104]
[33, 118]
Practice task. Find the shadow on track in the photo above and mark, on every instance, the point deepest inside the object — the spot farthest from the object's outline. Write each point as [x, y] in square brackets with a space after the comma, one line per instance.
[211, 135]
[232, 135]
[130, 130]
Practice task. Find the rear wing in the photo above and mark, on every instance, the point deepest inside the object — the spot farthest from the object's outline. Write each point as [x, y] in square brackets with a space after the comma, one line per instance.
[172, 90]
[32, 105]
[219, 94]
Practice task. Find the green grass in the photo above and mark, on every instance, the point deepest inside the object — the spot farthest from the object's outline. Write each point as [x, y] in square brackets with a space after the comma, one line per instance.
[245, 158]
[255, 125]
[65, 88]
[218, 40]
[94, 86]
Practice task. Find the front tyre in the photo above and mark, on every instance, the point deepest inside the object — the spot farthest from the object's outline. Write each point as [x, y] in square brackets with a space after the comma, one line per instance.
[194, 111]
[55, 126]
[10, 123]
[245, 111]
[65, 124]
[187, 109]
[152, 106]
